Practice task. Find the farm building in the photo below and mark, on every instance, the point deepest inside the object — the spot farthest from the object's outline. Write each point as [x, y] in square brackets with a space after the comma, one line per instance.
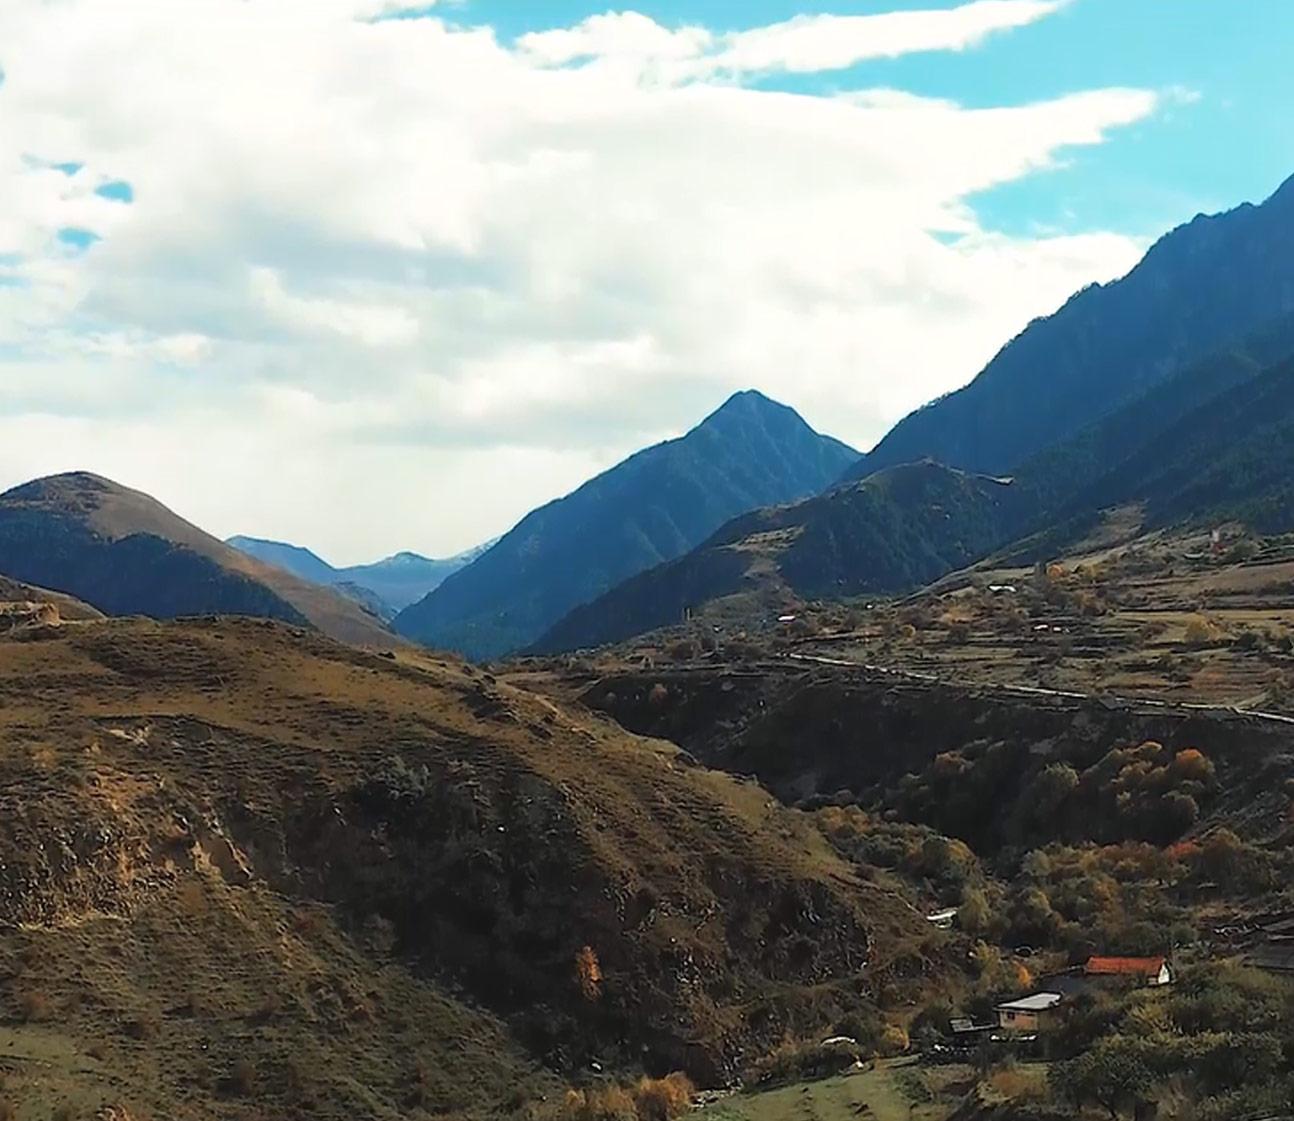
[1028, 1013]
[1147, 971]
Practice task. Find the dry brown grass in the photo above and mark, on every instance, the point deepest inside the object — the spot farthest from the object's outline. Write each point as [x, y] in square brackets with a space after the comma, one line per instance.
[1016, 1084]
[293, 742]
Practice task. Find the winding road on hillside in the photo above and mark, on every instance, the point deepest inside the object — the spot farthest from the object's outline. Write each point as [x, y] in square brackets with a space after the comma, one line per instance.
[1025, 692]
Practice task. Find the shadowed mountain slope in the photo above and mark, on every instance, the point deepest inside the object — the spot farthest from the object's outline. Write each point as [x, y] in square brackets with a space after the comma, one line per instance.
[343, 885]
[1208, 282]
[897, 529]
[1211, 442]
[126, 554]
[651, 508]
[292, 558]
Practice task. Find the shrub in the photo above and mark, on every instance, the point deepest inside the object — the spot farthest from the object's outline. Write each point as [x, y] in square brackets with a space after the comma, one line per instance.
[959, 633]
[607, 1103]
[973, 915]
[894, 1041]
[242, 1077]
[143, 1027]
[803, 1062]
[34, 1006]
[1200, 632]
[663, 1099]
[588, 973]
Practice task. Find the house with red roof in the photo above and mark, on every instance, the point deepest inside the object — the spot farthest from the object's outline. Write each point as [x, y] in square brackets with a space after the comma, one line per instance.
[1147, 971]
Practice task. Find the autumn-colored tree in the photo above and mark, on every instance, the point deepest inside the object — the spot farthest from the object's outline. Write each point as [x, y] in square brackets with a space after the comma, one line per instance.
[663, 1099]
[1192, 764]
[588, 973]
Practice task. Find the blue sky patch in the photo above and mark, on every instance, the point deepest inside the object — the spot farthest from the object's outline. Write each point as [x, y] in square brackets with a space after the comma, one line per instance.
[118, 191]
[74, 237]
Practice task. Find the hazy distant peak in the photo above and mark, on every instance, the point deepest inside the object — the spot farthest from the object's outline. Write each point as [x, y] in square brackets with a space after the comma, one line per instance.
[406, 557]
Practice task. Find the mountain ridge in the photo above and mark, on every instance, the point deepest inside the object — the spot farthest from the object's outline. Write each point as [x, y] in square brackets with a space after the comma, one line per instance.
[388, 585]
[1209, 440]
[653, 506]
[1210, 280]
[124, 553]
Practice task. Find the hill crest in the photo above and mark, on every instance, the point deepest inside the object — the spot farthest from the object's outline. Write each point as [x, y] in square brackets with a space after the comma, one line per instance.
[123, 552]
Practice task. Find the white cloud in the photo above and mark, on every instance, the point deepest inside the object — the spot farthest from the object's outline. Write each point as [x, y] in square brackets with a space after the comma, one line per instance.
[805, 44]
[621, 34]
[401, 258]
[826, 42]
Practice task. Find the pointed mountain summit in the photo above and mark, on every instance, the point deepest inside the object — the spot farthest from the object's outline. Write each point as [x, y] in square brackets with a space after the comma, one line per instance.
[653, 507]
[124, 553]
[1213, 280]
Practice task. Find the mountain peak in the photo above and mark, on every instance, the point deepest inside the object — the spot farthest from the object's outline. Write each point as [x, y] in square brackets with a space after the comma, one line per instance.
[65, 486]
[655, 506]
[748, 402]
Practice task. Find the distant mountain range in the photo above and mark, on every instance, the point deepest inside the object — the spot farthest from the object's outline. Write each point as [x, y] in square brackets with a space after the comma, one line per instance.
[1171, 389]
[384, 587]
[653, 507]
[1115, 399]
[124, 553]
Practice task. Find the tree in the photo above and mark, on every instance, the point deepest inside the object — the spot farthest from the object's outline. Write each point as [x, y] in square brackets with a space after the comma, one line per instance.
[1177, 812]
[974, 914]
[1050, 790]
[1112, 1076]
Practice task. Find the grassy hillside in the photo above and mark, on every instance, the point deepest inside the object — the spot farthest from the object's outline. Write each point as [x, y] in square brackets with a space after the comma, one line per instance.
[125, 553]
[298, 878]
[653, 507]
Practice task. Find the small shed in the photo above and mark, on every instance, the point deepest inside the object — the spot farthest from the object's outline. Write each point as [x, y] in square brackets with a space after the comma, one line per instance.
[1028, 1013]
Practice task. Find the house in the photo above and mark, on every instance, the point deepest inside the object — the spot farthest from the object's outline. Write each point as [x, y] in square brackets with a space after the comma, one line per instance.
[1146, 971]
[1028, 1013]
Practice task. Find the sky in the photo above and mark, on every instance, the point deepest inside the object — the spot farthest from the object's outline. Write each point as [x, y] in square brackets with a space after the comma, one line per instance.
[370, 276]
